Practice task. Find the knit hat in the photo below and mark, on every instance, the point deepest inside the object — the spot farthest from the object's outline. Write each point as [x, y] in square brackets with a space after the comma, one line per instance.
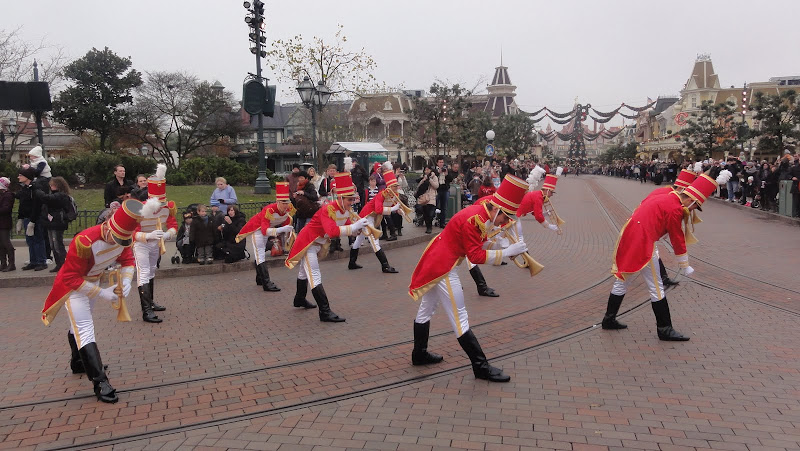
[27, 172]
[36, 152]
[4, 183]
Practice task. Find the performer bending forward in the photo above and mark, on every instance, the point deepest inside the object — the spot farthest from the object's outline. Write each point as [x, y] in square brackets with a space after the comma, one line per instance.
[635, 250]
[313, 241]
[274, 221]
[435, 281]
[77, 286]
[383, 204]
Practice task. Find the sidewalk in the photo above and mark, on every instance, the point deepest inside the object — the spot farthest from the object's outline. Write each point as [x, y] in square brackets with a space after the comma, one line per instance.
[16, 279]
[768, 215]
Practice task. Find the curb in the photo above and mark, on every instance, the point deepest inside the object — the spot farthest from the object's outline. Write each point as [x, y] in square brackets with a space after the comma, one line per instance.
[768, 215]
[216, 268]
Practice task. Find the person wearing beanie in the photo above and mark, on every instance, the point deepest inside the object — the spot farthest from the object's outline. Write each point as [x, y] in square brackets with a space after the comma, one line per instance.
[39, 163]
[30, 208]
[7, 262]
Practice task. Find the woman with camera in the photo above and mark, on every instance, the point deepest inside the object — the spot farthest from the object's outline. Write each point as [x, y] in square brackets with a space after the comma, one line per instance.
[426, 195]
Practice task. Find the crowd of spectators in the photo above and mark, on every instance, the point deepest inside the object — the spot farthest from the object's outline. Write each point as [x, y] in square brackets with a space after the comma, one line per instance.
[754, 183]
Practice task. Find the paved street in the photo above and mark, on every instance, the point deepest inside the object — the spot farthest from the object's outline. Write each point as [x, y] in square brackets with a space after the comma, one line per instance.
[235, 367]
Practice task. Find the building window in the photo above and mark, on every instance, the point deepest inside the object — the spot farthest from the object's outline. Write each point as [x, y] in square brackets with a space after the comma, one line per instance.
[694, 101]
[387, 106]
[362, 106]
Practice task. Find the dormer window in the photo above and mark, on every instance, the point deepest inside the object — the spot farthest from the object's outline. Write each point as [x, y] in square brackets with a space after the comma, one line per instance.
[362, 106]
[387, 106]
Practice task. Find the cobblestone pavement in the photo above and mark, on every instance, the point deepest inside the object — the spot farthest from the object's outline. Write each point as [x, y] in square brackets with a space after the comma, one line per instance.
[234, 367]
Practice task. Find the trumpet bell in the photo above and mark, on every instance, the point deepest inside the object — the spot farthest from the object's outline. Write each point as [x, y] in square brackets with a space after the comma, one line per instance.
[559, 221]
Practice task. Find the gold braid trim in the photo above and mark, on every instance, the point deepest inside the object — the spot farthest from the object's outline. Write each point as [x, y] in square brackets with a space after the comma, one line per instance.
[268, 215]
[173, 209]
[291, 211]
[688, 228]
[84, 251]
[476, 221]
[332, 212]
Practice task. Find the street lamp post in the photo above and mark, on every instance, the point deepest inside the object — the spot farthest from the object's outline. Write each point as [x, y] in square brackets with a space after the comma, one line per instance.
[314, 97]
[255, 20]
[11, 125]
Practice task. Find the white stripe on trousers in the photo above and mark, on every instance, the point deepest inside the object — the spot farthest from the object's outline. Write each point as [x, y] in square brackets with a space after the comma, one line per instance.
[310, 266]
[652, 277]
[79, 308]
[448, 294]
[146, 255]
[360, 239]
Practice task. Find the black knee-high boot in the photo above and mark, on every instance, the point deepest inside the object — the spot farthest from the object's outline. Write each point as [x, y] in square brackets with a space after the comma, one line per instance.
[384, 262]
[325, 313]
[480, 365]
[75, 362]
[664, 322]
[258, 274]
[153, 304]
[147, 310]
[664, 275]
[266, 283]
[610, 318]
[353, 259]
[95, 372]
[480, 283]
[300, 296]
[420, 354]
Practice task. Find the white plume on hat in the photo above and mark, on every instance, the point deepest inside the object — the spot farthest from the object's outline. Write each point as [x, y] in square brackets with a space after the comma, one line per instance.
[36, 152]
[535, 177]
[559, 171]
[723, 177]
[161, 171]
[698, 167]
[151, 207]
[348, 164]
[387, 166]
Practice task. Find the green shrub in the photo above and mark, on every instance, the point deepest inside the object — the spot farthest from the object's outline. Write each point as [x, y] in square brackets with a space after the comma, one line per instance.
[98, 168]
[177, 178]
[204, 170]
[10, 170]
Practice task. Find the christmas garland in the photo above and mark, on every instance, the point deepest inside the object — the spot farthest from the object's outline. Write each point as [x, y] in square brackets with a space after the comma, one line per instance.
[565, 121]
[601, 121]
[560, 115]
[536, 113]
[610, 114]
[635, 116]
[639, 108]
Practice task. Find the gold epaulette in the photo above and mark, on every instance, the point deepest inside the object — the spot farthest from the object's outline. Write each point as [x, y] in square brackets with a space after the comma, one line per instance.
[332, 212]
[476, 220]
[173, 209]
[268, 215]
[291, 211]
[83, 250]
[386, 195]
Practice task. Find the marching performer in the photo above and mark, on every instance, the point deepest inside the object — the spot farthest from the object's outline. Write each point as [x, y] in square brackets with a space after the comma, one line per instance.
[78, 286]
[149, 239]
[274, 221]
[383, 204]
[331, 221]
[635, 249]
[435, 281]
[535, 200]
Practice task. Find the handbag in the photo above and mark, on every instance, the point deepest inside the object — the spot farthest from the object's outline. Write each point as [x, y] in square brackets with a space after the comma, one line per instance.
[424, 199]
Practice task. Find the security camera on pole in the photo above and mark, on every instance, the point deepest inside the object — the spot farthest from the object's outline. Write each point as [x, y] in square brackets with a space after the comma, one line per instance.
[257, 100]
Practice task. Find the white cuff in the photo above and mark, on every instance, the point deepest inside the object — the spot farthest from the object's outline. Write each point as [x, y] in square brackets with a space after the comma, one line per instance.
[683, 260]
[345, 230]
[89, 289]
[494, 257]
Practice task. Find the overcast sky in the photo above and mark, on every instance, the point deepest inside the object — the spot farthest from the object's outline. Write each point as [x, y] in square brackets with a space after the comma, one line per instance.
[602, 52]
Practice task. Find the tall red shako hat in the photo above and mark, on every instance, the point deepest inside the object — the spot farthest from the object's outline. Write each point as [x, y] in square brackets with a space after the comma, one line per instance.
[390, 179]
[344, 185]
[686, 177]
[705, 186]
[124, 221]
[510, 193]
[550, 180]
[282, 191]
[157, 184]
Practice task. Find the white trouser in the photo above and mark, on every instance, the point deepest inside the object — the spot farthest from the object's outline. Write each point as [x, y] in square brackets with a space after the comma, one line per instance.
[79, 308]
[652, 277]
[260, 247]
[146, 255]
[361, 238]
[310, 265]
[450, 296]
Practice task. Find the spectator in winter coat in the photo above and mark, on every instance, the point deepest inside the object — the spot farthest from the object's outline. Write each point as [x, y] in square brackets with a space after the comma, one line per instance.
[202, 235]
[7, 262]
[111, 192]
[29, 214]
[39, 163]
[223, 195]
[54, 217]
[231, 225]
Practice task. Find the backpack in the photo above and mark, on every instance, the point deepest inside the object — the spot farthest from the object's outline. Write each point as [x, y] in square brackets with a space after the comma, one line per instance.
[71, 212]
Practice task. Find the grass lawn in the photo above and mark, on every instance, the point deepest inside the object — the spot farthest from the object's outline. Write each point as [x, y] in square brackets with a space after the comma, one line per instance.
[92, 198]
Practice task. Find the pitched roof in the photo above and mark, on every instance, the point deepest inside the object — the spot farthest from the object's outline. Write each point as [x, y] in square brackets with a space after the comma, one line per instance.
[703, 76]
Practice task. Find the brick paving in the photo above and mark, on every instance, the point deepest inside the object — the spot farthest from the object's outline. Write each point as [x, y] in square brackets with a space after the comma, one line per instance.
[234, 367]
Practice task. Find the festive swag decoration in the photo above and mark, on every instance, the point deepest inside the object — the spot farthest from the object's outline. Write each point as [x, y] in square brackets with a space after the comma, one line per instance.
[560, 115]
[601, 121]
[639, 109]
[609, 115]
[562, 122]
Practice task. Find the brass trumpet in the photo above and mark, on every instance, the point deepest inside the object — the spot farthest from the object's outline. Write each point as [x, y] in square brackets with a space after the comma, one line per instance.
[369, 231]
[290, 240]
[115, 278]
[162, 248]
[550, 210]
[404, 211]
[509, 230]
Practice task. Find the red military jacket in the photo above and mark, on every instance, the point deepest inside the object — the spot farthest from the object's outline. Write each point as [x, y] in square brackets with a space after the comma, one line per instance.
[166, 214]
[655, 217]
[268, 218]
[533, 202]
[88, 256]
[328, 222]
[376, 206]
[463, 236]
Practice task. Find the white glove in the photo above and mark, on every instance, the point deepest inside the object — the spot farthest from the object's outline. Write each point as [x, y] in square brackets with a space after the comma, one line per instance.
[515, 249]
[395, 207]
[687, 271]
[19, 225]
[29, 231]
[126, 287]
[284, 229]
[360, 224]
[552, 226]
[169, 235]
[107, 294]
[154, 235]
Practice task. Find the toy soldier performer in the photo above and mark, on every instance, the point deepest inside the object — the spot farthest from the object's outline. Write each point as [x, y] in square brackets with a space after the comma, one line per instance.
[383, 204]
[435, 281]
[313, 241]
[635, 249]
[78, 286]
[149, 239]
[274, 221]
